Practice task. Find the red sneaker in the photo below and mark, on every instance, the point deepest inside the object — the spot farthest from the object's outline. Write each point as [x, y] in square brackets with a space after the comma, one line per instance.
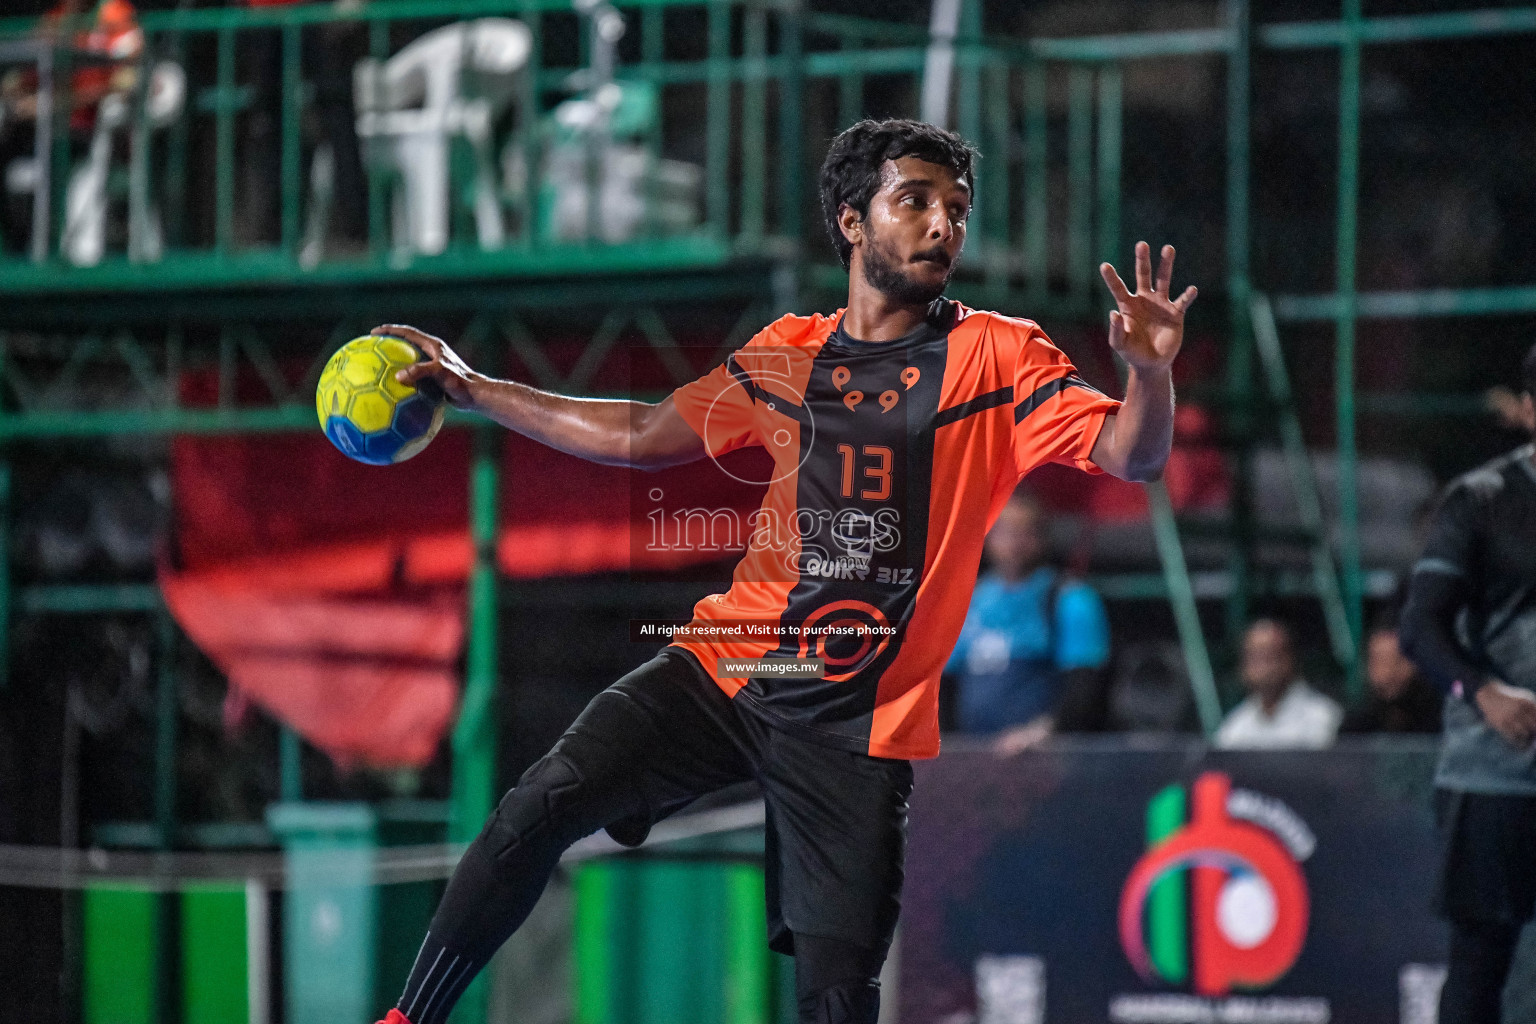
[395, 1017]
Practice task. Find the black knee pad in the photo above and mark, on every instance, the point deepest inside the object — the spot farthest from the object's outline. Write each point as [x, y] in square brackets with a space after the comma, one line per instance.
[847, 1002]
[534, 810]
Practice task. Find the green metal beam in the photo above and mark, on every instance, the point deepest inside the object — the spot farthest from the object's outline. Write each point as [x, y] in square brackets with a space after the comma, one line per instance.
[1081, 277]
[791, 154]
[290, 765]
[1186, 615]
[1344, 358]
[1110, 145]
[966, 76]
[88, 598]
[1130, 46]
[98, 423]
[1403, 29]
[864, 30]
[892, 61]
[1429, 302]
[717, 120]
[381, 298]
[267, 269]
[998, 172]
[279, 16]
[1303, 481]
[474, 736]
[1036, 241]
[1423, 404]
[225, 106]
[754, 133]
[292, 115]
[1239, 371]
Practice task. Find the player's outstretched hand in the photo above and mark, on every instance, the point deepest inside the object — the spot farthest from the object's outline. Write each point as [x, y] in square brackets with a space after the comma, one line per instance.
[443, 370]
[1510, 710]
[1148, 328]
[1024, 737]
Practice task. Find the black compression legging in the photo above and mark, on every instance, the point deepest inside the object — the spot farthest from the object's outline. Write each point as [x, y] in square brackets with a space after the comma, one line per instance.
[1481, 954]
[836, 982]
[500, 878]
[506, 868]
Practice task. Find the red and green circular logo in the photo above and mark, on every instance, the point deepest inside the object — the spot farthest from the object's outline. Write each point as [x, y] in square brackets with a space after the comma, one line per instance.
[1217, 902]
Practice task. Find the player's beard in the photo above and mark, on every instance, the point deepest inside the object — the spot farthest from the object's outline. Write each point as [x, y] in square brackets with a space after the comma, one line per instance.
[883, 271]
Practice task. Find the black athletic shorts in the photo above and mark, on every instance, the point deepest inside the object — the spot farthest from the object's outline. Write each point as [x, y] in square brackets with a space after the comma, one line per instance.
[836, 820]
[1488, 870]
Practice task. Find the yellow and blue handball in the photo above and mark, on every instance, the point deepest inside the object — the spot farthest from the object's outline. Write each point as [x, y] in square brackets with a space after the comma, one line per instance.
[367, 413]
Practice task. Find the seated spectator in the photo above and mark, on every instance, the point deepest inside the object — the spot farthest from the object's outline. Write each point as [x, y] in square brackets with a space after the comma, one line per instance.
[112, 31]
[1398, 700]
[1281, 709]
[1149, 690]
[1029, 657]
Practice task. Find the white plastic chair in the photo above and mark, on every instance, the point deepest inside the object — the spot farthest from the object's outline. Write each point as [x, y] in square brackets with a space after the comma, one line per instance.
[412, 106]
[591, 156]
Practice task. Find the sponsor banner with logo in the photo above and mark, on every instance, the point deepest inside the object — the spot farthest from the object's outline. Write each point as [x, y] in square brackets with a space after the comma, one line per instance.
[1095, 884]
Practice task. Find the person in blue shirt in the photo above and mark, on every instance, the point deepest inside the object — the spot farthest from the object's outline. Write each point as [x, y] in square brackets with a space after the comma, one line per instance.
[1034, 643]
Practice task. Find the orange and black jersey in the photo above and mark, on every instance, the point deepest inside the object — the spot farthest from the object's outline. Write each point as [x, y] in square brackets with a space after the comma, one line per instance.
[891, 461]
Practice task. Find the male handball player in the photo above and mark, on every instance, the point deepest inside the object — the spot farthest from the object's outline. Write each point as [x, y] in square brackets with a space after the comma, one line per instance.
[898, 427]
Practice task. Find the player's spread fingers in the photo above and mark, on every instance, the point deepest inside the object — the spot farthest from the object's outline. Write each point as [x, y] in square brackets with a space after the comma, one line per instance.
[1183, 301]
[1117, 287]
[1165, 270]
[1143, 267]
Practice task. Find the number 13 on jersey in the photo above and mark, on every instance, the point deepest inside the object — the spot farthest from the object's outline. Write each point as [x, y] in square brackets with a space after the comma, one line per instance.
[878, 471]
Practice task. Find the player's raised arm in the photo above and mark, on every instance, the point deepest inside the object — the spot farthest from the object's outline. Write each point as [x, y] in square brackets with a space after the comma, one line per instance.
[614, 432]
[1147, 330]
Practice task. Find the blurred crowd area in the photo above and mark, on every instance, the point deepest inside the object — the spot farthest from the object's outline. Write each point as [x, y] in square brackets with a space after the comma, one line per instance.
[1042, 655]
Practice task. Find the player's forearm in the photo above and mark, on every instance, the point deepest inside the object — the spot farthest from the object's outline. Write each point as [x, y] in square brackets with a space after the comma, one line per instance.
[1143, 427]
[1427, 632]
[597, 429]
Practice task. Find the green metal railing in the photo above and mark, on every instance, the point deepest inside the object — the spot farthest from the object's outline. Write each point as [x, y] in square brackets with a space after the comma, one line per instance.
[220, 95]
[755, 85]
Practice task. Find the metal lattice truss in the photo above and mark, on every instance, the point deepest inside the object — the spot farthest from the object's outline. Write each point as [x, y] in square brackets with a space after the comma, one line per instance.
[132, 380]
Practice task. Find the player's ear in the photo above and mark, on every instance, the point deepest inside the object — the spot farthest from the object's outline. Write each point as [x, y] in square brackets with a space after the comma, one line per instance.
[851, 222]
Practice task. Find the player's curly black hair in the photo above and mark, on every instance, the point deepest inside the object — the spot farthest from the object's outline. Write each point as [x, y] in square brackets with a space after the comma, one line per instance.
[851, 172]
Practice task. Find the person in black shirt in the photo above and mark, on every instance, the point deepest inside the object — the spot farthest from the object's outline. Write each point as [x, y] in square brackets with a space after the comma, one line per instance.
[1399, 699]
[1470, 624]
